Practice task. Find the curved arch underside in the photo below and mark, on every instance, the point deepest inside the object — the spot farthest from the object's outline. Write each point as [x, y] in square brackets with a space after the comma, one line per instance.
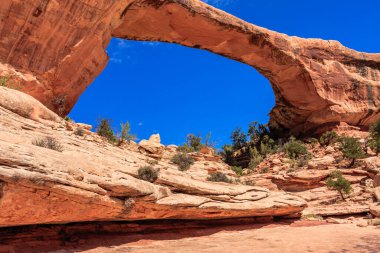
[57, 48]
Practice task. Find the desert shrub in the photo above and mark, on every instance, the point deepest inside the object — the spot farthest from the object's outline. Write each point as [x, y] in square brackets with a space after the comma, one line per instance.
[194, 141]
[218, 177]
[238, 170]
[313, 141]
[148, 173]
[48, 142]
[337, 182]
[79, 131]
[352, 149]
[183, 161]
[257, 132]
[193, 144]
[104, 129]
[185, 149]
[239, 139]
[125, 133]
[374, 137]
[295, 149]
[328, 138]
[255, 158]
[228, 154]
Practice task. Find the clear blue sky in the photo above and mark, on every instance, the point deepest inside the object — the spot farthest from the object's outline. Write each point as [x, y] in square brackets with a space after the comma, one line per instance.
[174, 90]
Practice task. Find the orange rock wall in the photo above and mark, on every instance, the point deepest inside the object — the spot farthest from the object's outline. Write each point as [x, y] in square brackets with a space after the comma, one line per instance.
[55, 49]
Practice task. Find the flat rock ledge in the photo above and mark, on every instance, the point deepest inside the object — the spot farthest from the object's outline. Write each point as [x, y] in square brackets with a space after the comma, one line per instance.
[92, 180]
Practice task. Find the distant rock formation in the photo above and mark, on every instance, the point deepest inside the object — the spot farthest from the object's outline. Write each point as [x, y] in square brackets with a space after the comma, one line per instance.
[55, 49]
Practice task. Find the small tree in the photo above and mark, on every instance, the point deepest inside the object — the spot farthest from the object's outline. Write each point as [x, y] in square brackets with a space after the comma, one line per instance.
[104, 129]
[228, 154]
[125, 132]
[352, 149]
[194, 141]
[239, 139]
[337, 182]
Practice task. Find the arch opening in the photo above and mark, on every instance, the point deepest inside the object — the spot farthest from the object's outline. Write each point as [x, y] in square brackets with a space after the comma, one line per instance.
[175, 90]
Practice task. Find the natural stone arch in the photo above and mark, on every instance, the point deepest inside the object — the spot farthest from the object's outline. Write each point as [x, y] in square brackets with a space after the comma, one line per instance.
[315, 82]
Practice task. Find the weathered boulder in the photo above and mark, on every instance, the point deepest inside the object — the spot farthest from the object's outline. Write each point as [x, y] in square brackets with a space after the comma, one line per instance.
[322, 162]
[153, 146]
[55, 49]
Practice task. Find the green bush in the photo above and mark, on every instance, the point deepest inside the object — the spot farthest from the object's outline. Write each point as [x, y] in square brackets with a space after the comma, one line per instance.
[218, 177]
[313, 142]
[295, 149]
[194, 141]
[183, 161]
[374, 137]
[238, 170]
[337, 182]
[352, 149]
[104, 129]
[255, 158]
[148, 173]
[48, 142]
[228, 154]
[328, 138]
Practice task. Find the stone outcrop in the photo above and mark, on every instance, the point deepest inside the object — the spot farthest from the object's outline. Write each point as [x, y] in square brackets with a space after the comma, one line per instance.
[89, 179]
[54, 49]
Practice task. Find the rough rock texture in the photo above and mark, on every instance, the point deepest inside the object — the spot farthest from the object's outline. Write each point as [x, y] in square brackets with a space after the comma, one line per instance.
[94, 180]
[297, 237]
[54, 49]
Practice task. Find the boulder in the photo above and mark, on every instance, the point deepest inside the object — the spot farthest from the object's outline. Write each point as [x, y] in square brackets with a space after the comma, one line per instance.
[321, 163]
[152, 147]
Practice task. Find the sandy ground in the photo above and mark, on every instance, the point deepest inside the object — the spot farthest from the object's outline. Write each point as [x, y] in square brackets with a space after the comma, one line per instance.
[268, 238]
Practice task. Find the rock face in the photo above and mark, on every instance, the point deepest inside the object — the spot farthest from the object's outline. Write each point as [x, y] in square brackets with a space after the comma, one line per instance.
[54, 49]
[92, 180]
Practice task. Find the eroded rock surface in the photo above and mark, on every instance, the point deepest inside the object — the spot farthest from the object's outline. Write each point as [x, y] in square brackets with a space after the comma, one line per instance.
[91, 179]
[54, 49]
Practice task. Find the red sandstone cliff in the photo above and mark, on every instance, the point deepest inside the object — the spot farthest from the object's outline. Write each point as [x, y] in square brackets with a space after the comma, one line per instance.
[55, 49]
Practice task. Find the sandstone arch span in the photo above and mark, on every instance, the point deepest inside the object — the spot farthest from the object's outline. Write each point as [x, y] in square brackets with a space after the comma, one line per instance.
[56, 48]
